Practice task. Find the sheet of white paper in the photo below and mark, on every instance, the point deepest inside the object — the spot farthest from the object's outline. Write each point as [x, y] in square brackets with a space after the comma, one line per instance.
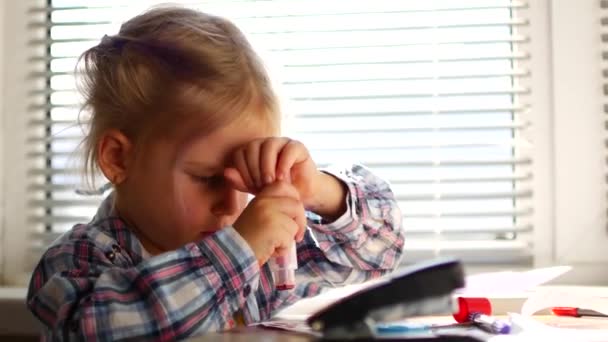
[294, 326]
[303, 308]
[528, 329]
[509, 282]
[544, 298]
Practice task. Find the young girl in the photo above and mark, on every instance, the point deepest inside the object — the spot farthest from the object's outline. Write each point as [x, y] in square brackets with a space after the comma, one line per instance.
[184, 124]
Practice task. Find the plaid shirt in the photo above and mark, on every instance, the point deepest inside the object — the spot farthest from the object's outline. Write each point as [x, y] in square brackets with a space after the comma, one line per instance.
[97, 282]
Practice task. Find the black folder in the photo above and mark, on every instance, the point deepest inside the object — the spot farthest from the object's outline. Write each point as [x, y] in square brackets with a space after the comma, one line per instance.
[422, 289]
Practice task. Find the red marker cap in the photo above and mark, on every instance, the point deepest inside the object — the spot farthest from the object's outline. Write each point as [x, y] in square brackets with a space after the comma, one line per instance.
[467, 306]
[565, 311]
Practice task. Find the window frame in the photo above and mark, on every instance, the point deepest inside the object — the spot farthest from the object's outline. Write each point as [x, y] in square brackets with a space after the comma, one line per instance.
[557, 54]
[14, 99]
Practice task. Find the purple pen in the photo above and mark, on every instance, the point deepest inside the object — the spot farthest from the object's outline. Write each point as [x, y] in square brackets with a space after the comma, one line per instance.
[490, 324]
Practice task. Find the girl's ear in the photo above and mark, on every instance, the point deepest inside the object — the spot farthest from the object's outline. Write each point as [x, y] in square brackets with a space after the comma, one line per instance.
[115, 153]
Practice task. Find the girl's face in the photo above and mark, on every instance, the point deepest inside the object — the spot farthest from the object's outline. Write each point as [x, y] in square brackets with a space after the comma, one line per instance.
[175, 192]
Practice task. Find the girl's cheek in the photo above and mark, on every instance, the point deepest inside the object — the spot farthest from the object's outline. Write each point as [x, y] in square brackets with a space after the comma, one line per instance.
[182, 190]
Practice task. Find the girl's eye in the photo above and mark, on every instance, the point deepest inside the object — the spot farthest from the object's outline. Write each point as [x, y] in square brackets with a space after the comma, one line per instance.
[212, 181]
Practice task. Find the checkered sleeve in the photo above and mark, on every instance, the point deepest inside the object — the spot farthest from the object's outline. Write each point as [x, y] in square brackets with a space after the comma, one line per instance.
[81, 293]
[365, 242]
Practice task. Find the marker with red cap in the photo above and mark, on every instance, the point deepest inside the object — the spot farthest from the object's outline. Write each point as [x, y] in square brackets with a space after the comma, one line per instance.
[477, 311]
[575, 312]
[284, 269]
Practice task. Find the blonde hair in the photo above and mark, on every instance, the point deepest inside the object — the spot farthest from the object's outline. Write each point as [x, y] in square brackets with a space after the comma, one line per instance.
[163, 67]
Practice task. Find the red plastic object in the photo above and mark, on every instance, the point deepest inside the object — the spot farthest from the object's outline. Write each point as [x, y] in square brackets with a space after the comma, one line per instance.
[565, 311]
[467, 306]
[285, 287]
[576, 312]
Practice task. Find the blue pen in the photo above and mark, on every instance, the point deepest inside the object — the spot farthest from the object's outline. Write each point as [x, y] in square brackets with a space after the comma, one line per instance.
[490, 324]
[399, 328]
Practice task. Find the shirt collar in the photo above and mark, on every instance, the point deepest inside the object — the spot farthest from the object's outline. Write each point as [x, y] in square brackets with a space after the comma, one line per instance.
[108, 221]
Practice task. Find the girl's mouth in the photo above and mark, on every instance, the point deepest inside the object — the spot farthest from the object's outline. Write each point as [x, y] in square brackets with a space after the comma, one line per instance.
[207, 233]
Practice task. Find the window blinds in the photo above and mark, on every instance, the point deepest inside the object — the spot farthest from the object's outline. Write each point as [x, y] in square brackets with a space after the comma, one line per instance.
[431, 95]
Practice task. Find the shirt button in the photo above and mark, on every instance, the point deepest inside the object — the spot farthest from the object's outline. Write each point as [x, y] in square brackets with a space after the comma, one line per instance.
[246, 290]
[110, 255]
[73, 325]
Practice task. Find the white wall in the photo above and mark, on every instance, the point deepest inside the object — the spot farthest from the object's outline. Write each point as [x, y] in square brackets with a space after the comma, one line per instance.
[581, 231]
[2, 164]
[14, 317]
[15, 51]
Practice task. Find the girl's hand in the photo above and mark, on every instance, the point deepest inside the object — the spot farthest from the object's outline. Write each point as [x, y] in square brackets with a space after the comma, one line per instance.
[263, 161]
[272, 221]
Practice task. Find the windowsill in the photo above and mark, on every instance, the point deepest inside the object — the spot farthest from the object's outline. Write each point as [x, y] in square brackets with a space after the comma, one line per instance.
[15, 318]
[13, 293]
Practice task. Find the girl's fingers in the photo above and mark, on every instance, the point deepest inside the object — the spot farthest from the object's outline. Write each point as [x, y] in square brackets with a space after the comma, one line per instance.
[280, 189]
[240, 162]
[268, 158]
[252, 156]
[234, 178]
[289, 203]
[300, 237]
[292, 153]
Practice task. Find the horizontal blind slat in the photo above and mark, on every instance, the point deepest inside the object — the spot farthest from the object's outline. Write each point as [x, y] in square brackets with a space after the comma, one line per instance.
[436, 196]
[517, 55]
[520, 178]
[526, 212]
[511, 23]
[409, 197]
[478, 178]
[463, 127]
[436, 146]
[330, 130]
[436, 76]
[469, 252]
[58, 219]
[512, 39]
[456, 232]
[376, 163]
[439, 110]
[37, 107]
[451, 7]
[380, 114]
